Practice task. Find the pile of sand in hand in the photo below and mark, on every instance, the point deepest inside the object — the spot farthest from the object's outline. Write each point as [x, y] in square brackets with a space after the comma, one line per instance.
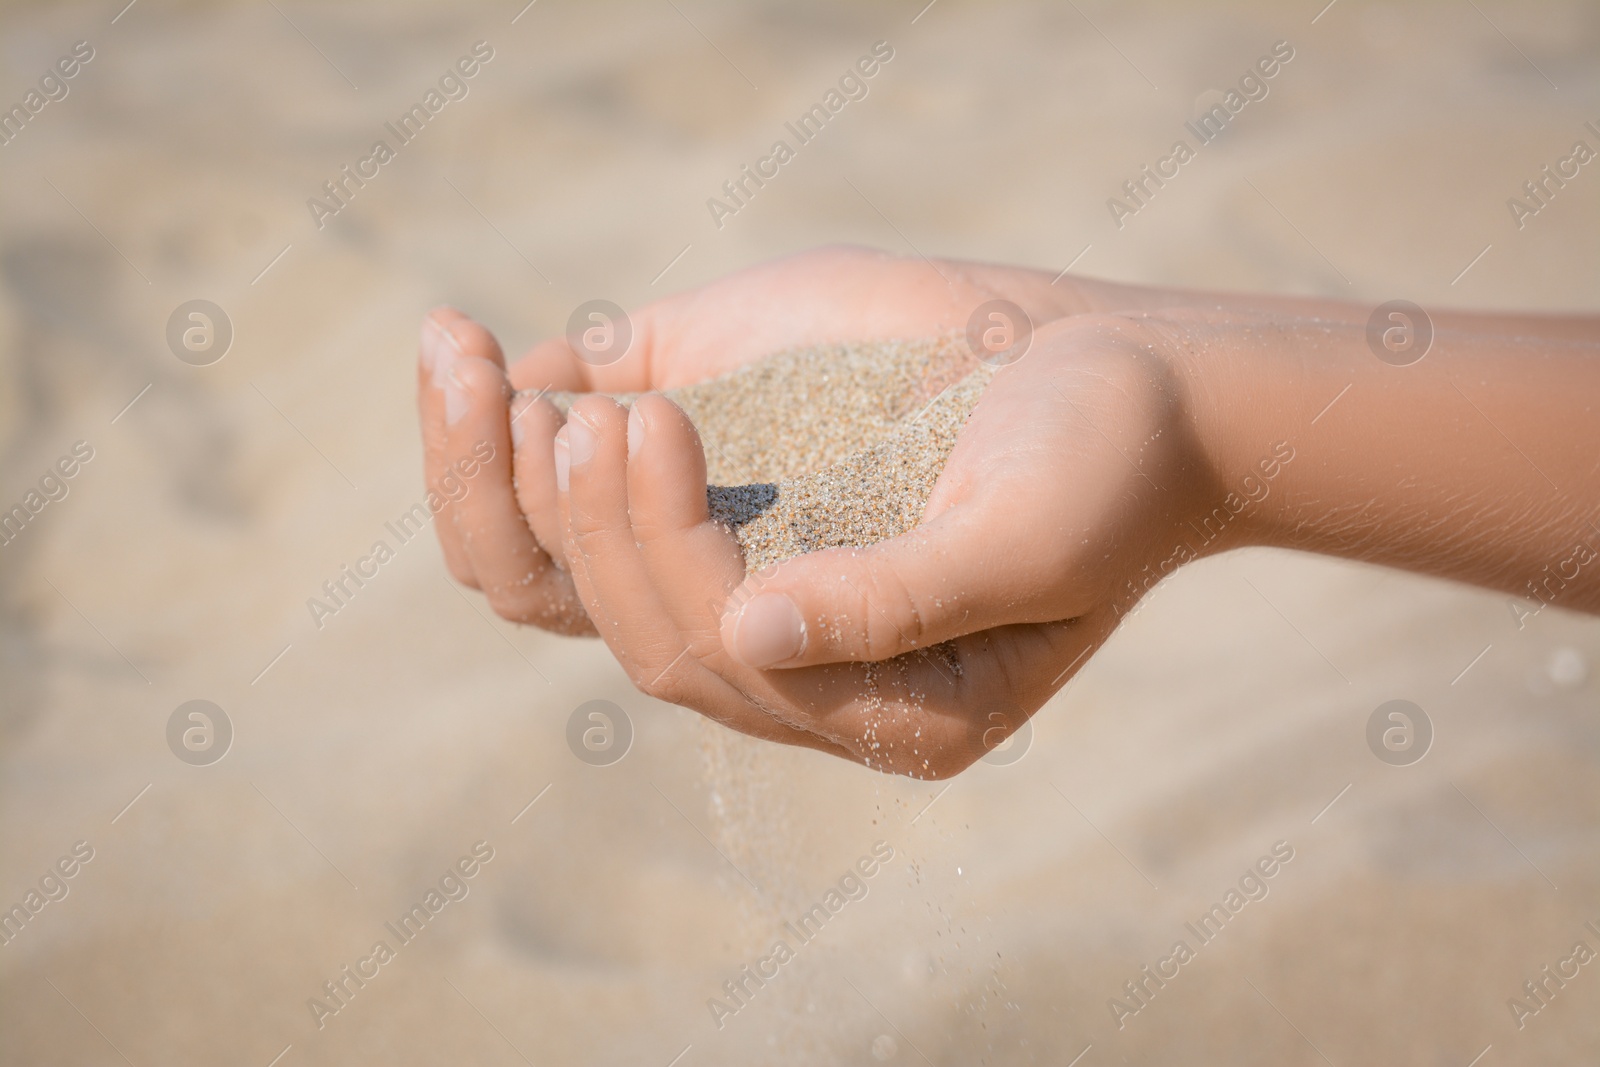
[835, 445]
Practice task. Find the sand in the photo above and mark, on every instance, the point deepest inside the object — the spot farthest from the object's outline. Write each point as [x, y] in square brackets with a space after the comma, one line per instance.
[415, 721]
[830, 446]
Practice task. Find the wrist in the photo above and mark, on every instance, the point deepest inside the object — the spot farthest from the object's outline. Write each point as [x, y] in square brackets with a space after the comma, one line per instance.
[1231, 399]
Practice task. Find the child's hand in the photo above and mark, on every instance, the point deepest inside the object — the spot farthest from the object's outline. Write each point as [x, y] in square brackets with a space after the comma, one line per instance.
[504, 536]
[1117, 448]
[1075, 471]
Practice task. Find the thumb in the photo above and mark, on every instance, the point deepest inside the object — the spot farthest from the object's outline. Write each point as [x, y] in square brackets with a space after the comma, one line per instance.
[950, 577]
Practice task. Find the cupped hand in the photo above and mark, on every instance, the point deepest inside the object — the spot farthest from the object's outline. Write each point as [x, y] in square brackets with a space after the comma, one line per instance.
[1075, 473]
[503, 535]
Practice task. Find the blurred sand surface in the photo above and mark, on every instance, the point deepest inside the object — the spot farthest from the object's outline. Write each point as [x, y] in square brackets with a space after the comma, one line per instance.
[1223, 718]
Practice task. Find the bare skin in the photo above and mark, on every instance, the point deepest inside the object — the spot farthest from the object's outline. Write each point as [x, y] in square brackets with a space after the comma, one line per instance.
[1143, 428]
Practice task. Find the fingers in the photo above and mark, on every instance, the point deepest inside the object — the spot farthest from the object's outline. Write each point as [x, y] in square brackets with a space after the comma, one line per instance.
[952, 576]
[436, 355]
[1037, 512]
[553, 365]
[534, 423]
[691, 561]
[667, 506]
[556, 365]
[507, 564]
[591, 480]
[592, 477]
[651, 567]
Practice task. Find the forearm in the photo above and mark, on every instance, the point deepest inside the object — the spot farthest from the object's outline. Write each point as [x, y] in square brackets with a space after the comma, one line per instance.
[1116, 296]
[1480, 462]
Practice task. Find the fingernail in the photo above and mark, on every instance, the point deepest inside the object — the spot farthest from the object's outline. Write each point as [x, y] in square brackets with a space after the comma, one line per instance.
[518, 407]
[635, 430]
[456, 400]
[563, 459]
[769, 630]
[580, 439]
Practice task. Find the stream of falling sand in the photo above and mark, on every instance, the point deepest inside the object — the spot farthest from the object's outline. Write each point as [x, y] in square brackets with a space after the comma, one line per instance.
[813, 448]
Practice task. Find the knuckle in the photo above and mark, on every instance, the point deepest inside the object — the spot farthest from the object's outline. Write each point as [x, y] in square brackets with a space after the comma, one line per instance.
[589, 532]
[647, 531]
[888, 621]
[664, 684]
[666, 691]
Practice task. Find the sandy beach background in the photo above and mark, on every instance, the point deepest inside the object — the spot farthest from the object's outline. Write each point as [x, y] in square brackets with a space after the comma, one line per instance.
[371, 755]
